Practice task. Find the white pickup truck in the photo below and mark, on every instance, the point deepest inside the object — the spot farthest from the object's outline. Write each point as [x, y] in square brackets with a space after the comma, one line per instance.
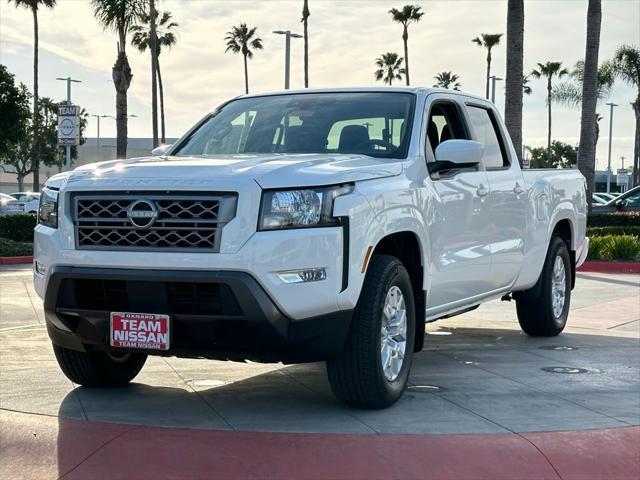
[317, 225]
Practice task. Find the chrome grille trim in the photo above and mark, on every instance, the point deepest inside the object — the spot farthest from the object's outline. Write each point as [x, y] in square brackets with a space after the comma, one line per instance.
[185, 221]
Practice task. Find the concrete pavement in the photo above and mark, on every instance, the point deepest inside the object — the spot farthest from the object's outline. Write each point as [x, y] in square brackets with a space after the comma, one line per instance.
[478, 376]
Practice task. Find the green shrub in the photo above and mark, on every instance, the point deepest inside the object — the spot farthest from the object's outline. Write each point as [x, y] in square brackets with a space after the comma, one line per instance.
[9, 248]
[614, 247]
[617, 219]
[600, 231]
[18, 227]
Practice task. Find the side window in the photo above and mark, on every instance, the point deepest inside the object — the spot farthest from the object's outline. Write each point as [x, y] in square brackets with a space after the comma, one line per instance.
[485, 127]
[444, 124]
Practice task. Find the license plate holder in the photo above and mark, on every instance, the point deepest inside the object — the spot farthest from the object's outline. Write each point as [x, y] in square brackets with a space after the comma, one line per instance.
[145, 331]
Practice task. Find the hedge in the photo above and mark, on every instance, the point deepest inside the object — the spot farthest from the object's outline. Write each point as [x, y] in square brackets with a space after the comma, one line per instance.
[18, 227]
[600, 231]
[627, 219]
[614, 247]
[9, 248]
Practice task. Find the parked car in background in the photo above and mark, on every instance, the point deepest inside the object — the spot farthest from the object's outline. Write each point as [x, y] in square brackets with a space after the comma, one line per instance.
[9, 205]
[598, 200]
[629, 201]
[31, 200]
[608, 196]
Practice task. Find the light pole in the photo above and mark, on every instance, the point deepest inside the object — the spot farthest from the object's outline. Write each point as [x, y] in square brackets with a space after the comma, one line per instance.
[68, 147]
[98, 139]
[287, 53]
[611, 105]
[493, 87]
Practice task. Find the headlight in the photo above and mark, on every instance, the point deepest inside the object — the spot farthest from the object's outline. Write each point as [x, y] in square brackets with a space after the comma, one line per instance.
[48, 209]
[309, 207]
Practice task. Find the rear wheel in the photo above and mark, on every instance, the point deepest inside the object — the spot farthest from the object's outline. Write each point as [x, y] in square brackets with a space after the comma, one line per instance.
[99, 368]
[373, 369]
[546, 314]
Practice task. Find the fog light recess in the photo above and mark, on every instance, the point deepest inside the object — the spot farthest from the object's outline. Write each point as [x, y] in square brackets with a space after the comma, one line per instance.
[303, 276]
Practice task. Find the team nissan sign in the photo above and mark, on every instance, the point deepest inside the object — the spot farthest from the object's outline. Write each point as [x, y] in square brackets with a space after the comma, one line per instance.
[139, 330]
[68, 125]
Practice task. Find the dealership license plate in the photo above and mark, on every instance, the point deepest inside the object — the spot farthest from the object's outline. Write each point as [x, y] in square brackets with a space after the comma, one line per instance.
[148, 331]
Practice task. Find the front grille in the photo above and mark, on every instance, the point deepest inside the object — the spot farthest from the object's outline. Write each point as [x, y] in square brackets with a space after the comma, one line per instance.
[152, 221]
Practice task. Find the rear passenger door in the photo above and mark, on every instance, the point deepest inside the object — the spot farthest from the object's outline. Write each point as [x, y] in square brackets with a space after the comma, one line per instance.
[507, 198]
[458, 217]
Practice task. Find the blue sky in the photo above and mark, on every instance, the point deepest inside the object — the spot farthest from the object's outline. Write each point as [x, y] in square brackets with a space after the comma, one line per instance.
[345, 38]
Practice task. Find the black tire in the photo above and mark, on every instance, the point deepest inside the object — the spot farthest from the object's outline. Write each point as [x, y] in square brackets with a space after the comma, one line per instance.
[357, 377]
[536, 315]
[98, 369]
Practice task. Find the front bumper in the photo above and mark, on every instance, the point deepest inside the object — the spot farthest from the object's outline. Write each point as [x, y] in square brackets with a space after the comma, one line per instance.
[221, 314]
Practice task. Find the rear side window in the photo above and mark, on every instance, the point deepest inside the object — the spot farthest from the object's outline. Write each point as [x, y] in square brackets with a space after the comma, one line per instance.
[485, 127]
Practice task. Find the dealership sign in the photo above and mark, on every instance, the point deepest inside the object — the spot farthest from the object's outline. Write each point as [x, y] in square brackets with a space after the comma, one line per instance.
[622, 177]
[68, 125]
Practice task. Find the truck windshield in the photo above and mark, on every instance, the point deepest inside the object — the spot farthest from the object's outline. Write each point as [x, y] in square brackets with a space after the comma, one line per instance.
[375, 124]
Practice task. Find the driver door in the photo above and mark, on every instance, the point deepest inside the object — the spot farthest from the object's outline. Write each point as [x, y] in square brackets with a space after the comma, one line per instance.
[459, 222]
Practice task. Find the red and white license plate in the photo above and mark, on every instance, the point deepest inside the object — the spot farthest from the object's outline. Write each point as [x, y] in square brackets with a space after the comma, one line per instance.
[149, 331]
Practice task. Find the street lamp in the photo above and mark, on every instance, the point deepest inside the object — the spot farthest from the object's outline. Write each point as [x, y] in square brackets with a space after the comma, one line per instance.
[287, 53]
[98, 138]
[611, 105]
[493, 87]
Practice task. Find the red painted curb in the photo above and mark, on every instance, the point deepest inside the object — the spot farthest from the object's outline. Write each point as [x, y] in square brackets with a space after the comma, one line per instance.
[610, 267]
[15, 260]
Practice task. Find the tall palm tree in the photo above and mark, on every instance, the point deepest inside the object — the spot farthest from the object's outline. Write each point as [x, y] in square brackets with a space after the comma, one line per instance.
[120, 16]
[305, 21]
[447, 80]
[239, 39]
[549, 70]
[408, 15]
[34, 5]
[166, 38]
[587, 147]
[515, 81]
[526, 88]
[153, 44]
[627, 67]
[389, 68]
[488, 41]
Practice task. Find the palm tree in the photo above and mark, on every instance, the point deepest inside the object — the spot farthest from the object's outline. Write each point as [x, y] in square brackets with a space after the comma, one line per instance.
[587, 147]
[549, 70]
[488, 41]
[408, 15]
[627, 67]
[515, 81]
[166, 38]
[120, 16]
[389, 68]
[34, 5]
[239, 39]
[305, 21]
[447, 80]
[526, 88]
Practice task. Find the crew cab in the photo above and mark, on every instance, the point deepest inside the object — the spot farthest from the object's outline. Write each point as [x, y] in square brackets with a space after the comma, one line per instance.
[315, 225]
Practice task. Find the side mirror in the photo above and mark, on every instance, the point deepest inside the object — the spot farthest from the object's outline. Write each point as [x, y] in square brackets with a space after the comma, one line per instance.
[619, 205]
[455, 154]
[161, 150]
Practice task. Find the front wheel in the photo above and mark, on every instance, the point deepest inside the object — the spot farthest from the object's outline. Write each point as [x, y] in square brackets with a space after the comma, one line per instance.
[373, 369]
[546, 315]
[98, 368]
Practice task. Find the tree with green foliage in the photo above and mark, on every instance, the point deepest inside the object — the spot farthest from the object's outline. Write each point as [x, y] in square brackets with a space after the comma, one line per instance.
[549, 70]
[34, 6]
[389, 68]
[626, 64]
[166, 38]
[242, 39]
[406, 16]
[488, 41]
[120, 16]
[563, 155]
[447, 80]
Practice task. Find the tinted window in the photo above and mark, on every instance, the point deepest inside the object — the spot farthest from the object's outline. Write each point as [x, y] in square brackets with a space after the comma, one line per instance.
[485, 129]
[367, 123]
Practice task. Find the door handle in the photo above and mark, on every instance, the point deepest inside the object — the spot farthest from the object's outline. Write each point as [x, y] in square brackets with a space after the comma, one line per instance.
[482, 191]
[518, 190]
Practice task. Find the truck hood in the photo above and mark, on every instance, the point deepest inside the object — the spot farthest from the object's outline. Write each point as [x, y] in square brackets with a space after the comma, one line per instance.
[268, 170]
